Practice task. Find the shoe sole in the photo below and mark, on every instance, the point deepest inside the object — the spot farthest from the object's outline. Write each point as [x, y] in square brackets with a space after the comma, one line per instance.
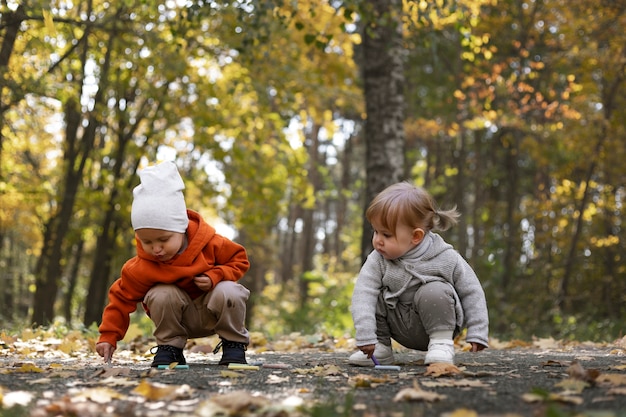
[370, 363]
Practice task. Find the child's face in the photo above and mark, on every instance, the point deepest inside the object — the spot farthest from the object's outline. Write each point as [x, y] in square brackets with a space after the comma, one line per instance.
[392, 244]
[162, 244]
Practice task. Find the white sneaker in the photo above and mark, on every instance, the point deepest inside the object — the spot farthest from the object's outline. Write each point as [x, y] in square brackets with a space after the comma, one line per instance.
[383, 353]
[440, 351]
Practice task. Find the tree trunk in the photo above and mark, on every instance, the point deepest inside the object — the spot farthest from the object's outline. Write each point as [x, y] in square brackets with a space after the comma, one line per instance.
[383, 78]
[72, 281]
[78, 152]
[342, 201]
[308, 217]
[288, 245]
[100, 278]
[49, 269]
[511, 248]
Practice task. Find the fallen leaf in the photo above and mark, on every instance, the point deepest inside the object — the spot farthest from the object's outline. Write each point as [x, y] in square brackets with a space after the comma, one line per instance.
[100, 395]
[617, 391]
[275, 379]
[29, 367]
[536, 398]
[325, 370]
[516, 343]
[67, 407]
[154, 391]
[367, 381]
[417, 394]
[461, 412]
[612, 379]
[108, 372]
[577, 371]
[10, 399]
[237, 402]
[440, 369]
[546, 343]
[455, 383]
[574, 385]
[40, 381]
[114, 381]
[6, 339]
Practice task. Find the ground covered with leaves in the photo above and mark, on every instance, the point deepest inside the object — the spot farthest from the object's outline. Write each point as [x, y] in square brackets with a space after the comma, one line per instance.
[50, 373]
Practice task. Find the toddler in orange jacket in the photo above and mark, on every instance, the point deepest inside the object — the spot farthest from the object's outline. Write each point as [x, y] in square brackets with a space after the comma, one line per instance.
[184, 274]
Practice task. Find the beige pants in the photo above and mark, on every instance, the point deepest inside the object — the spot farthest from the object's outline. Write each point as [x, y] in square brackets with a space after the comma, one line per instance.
[177, 317]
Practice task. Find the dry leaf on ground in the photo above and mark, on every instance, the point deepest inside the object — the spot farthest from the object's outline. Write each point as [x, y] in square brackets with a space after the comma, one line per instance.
[417, 394]
[575, 386]
[153, 391]
[612, 379]
[232, 404]
[368, 381]
[441, 369]
[567, 399]
[577, 371]
[455, 383]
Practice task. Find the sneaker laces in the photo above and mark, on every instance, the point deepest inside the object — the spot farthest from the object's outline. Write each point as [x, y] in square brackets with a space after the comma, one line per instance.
[174, 350]
[229, 344]
[155, 349]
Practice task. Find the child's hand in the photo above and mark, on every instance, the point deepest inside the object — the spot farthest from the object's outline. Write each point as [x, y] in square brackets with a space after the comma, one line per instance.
[476, 347]
[105, 350]
[203, 282]
[368, 350]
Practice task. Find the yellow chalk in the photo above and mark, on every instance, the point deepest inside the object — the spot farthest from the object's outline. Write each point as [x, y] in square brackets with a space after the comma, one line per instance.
[243, 366]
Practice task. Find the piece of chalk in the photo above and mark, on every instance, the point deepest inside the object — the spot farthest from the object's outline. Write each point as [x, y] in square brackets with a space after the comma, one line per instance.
[276, 365]
[176, 367]
[243, 366]
[375, 360]
[387, 367]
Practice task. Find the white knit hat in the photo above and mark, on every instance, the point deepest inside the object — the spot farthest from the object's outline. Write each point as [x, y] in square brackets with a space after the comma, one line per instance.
[158, 202]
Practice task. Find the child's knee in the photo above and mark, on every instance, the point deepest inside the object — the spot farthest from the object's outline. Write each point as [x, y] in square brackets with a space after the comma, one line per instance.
[435, 293]
[162, 294]
[229, 290]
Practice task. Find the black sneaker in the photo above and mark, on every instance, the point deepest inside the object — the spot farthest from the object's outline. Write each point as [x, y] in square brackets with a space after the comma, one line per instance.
[166, 354]
[232, 352]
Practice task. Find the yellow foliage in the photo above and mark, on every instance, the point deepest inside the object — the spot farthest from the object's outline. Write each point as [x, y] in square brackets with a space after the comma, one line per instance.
[603, 242]
[49, 23]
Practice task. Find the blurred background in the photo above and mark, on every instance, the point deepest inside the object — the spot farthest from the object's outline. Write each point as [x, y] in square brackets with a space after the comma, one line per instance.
[286, 117]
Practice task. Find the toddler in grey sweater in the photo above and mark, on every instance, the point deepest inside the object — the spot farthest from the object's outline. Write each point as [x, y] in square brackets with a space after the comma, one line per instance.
[414, 287]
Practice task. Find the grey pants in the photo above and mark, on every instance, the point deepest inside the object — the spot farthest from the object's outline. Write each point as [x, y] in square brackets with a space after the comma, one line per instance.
[177, 317]
[417, 315]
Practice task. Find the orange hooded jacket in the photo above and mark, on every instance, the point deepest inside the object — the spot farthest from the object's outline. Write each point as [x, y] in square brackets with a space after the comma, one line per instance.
[207, 253]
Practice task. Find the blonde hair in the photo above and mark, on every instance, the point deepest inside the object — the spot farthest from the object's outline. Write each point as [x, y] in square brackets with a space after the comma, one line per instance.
[404, 203]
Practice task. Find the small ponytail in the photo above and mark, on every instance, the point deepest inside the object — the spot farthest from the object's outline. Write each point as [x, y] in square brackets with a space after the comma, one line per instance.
[445, 219]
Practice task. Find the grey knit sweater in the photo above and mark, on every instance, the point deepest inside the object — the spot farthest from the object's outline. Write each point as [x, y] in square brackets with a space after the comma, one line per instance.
[433, 259]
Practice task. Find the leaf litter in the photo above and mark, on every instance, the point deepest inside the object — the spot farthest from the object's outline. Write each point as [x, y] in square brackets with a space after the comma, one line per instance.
[49, 359]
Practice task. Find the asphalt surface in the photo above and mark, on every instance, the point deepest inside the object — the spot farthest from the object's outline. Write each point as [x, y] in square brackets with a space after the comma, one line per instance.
[576, 381]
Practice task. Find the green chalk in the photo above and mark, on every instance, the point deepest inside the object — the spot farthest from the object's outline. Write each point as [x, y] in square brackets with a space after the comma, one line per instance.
[176, 367]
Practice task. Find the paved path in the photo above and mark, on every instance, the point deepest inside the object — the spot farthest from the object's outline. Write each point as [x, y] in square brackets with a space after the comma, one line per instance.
[525, 382]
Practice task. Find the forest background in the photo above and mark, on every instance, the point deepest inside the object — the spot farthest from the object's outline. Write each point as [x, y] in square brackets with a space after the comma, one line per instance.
[286, 117]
